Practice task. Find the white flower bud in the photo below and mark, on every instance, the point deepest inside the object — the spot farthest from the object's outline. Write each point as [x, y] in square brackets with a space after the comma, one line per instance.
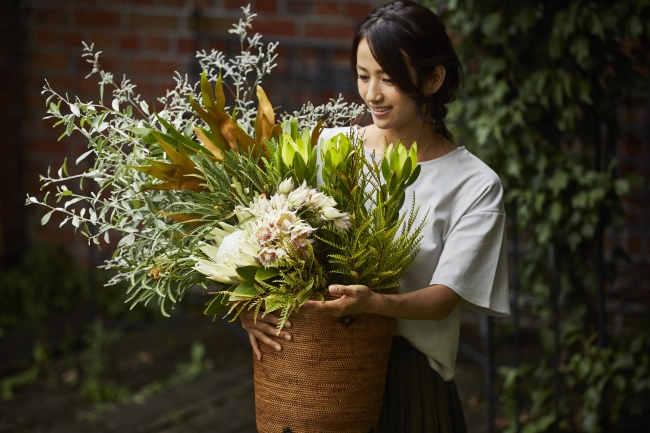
[285, 186]
[343, 223]
[317, 200]
[331, 213]
[329, 201]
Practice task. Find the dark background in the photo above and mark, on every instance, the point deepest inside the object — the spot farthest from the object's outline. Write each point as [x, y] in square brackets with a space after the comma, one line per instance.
[70, 353]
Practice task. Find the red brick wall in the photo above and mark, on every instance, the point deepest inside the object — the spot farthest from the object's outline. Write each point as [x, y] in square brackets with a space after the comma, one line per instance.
[150, 39]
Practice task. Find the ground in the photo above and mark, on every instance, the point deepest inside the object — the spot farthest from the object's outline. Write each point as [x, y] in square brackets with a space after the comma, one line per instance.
[217, 399]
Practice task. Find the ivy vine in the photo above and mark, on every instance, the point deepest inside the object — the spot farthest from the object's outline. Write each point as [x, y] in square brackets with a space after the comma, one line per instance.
[543, 85]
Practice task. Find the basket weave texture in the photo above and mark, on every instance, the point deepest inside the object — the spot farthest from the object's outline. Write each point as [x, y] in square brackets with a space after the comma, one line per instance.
[328, 378]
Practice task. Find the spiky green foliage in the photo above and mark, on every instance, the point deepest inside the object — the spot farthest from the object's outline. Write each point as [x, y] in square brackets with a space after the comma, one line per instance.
[382, 243]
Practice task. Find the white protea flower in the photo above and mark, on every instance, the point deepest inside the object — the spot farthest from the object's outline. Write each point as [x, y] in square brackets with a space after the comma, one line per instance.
[219, 234]
[286, 186]
[216, 272]
[235, 250]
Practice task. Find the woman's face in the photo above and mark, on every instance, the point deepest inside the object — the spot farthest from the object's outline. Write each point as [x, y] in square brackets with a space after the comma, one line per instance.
[390, 109]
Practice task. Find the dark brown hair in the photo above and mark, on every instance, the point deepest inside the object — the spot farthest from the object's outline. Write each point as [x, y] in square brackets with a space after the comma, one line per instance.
[402, 34]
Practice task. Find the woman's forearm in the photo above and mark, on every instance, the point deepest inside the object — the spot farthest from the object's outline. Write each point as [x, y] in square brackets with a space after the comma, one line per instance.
[431, 303]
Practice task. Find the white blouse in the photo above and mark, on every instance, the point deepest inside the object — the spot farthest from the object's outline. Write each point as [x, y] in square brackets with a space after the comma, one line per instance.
[463, 247]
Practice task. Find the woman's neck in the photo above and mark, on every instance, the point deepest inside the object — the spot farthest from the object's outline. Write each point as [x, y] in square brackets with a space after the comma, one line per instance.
[431, 144]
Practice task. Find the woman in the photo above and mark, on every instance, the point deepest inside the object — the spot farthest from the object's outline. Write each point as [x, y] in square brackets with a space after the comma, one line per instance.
[407, 71]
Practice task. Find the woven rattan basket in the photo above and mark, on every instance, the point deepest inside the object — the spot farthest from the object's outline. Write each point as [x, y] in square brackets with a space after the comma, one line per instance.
[329, 378]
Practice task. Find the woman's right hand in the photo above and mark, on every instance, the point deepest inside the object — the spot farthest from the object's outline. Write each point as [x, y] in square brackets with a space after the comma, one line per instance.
[262, 329]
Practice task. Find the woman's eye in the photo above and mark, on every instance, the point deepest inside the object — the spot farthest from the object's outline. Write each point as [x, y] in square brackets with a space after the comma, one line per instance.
[362, 77]
[387, 81]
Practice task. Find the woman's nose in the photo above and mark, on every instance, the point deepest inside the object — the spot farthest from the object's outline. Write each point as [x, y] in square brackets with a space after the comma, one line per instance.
[374, 92]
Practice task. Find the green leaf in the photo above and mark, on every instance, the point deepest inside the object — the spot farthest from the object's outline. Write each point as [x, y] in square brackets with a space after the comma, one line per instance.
[293, 122]
[83, 156]
[288, 149]
[635, 26]
[220, 97]
[64, 167]
[385, 169]
[69, 127]
[179, 137]
[75, 110]
[242, 291]
[46, 217]
[248, 273]
[299, 167]
[406, 169]
[264, 274]
[216, 306]
[206, 91]
[127, 240]
[145, 134]
[414, 176]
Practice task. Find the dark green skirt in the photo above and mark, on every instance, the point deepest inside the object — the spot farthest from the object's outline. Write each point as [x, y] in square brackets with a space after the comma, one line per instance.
[416, 399]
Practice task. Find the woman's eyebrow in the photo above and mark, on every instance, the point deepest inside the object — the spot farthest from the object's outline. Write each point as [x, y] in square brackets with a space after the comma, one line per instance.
[378, 71]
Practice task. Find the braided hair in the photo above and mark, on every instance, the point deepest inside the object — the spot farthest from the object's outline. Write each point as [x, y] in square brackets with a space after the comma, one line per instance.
[403, 35]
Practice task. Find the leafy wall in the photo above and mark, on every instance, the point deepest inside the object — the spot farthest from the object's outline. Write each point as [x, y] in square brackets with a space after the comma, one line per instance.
[543, 88]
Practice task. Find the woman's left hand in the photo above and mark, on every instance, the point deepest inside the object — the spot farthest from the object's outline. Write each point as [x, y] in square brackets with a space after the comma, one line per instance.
[352, 299]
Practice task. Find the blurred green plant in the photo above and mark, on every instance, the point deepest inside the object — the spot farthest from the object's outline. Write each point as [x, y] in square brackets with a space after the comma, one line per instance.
[96, 386]
[26, 377]
[544, 82]
[46, 284]
[47, 301]
[107, 395]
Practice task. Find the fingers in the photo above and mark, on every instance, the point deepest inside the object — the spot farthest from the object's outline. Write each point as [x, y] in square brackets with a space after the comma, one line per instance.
[350, 300]
[272, 319]
[261, 331]
[249, 317]
[264, 338]
[352, 291]
[255, 345]
[265, 327]
[336, 308]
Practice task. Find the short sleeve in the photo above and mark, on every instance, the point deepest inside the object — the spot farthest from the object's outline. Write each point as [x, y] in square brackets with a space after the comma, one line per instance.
[474, 262]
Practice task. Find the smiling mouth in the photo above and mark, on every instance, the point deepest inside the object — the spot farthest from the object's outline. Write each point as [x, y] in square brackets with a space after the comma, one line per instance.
[380, 110]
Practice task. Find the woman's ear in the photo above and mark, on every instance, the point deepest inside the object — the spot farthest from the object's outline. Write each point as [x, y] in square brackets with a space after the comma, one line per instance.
[435, 80]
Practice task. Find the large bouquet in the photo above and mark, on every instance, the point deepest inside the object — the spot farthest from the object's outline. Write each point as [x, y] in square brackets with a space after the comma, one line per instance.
[204, 193]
